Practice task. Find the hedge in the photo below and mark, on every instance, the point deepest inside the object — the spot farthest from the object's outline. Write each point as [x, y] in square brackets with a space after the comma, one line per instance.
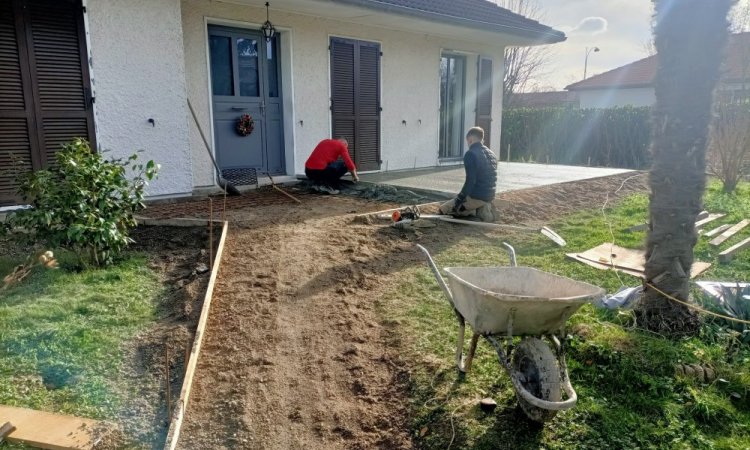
[615, 137]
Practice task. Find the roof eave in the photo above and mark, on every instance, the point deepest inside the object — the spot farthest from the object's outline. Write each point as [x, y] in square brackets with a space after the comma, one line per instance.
[574, 88]
[536, 37]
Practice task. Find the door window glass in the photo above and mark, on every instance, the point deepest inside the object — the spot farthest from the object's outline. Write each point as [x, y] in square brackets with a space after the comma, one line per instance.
[222, 81]
[272, 65]
[247, 61]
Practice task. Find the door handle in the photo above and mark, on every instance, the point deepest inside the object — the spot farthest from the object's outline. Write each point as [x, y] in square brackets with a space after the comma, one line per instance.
[263, 108]
[238, 108]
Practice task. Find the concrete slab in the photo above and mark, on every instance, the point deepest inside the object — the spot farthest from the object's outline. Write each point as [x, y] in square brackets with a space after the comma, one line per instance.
[511, 176]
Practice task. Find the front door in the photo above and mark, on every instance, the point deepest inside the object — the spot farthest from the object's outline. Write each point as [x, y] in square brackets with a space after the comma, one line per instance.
[245, 80]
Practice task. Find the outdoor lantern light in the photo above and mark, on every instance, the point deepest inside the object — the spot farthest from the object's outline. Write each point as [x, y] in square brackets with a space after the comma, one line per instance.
[268, 29]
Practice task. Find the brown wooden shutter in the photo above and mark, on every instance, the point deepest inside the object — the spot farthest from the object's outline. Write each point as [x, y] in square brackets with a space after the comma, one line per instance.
[16, 106]
[484, 98]
[355, 99]
[343, 116]
[45, 97]
[368, 108]
[60, 68]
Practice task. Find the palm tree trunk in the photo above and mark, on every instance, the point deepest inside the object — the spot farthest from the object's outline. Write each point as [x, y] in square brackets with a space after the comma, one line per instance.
[690, 36]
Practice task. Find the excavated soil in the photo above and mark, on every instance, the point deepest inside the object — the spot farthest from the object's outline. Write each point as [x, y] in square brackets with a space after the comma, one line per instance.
[180, 257]
[295, 355]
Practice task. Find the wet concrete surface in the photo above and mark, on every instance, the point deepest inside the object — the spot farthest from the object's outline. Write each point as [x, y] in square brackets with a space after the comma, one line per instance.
[511, 176]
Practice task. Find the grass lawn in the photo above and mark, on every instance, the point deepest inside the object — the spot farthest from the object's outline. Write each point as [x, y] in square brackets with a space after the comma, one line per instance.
[61, 334]
[629, 396]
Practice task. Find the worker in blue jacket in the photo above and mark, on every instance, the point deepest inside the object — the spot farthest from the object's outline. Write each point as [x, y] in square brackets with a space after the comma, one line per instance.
[478, 191]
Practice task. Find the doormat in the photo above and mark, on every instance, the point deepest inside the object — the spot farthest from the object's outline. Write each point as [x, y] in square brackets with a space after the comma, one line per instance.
[625, 260]
[241, 177]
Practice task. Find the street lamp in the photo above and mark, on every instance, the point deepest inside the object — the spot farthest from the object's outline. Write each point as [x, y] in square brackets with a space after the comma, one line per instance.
[586, 60]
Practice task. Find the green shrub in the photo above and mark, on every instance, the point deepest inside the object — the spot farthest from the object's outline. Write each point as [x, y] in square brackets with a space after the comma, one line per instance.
[83, 203]
[615, 137]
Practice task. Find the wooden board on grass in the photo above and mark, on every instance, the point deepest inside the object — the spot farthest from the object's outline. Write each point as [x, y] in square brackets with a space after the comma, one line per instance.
[49, 431]
[711, 217]
[629, 261]
[614, 255]
[728, 254]
[720, 239]
[717, 230]
[640, 227]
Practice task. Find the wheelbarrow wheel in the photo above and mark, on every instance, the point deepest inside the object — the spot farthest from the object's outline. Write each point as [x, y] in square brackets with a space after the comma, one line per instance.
[536, 368]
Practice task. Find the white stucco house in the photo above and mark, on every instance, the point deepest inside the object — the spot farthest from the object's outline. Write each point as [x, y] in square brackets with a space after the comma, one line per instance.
[401, 79]
[633, 84]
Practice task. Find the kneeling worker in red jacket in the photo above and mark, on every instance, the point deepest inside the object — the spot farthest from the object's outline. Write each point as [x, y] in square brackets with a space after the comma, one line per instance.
[328, 163]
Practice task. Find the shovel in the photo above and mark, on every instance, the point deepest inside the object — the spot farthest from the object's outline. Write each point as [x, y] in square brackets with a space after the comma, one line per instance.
[228, 187]
[547, 232]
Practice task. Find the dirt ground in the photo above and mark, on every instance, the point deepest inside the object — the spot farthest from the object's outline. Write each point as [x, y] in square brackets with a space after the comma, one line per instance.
[295, 354]
[180, 258]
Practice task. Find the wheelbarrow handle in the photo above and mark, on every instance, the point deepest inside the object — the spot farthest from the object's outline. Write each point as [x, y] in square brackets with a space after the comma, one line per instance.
[459, 317]
[511, 254]
[438, 276]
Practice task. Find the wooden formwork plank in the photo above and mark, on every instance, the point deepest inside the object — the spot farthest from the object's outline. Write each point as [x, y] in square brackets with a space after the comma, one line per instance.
[717, 230]
[181, 222]
[728, 254]
[736, 228]
[49, 431]
[711, 217]
[175, 426]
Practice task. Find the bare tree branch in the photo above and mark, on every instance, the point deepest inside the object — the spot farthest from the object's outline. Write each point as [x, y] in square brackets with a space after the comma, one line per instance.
[648, 47]
[740, 17]
[729, 151]
[523, 65]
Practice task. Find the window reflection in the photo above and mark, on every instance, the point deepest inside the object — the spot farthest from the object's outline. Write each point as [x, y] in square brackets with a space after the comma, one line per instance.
[272, 63]
[222, 81]
[247, 61]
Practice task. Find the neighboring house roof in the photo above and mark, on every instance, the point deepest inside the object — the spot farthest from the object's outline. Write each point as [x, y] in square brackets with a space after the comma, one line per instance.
[480, 14]
[544, 99]
[641, 73]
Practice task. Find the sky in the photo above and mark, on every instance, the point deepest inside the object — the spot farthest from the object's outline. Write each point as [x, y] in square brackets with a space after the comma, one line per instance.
[619, 28]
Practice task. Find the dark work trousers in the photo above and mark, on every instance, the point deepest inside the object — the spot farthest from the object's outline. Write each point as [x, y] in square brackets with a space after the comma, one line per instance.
[329, 176]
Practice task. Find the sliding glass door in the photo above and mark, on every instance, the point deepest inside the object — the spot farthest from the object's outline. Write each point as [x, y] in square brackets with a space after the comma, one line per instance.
[452, 101]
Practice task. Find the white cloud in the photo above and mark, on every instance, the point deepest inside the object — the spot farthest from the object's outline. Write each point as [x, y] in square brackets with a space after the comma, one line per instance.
[628, 26]
[590, 26]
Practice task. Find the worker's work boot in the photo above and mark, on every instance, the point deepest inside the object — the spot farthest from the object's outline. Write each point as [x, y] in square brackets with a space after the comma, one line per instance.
[328, 190]
[495, 212]
[485, 213]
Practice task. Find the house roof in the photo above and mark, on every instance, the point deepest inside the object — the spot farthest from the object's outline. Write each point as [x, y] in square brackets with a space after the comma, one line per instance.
[641, 73]
[544, 99]
[480, 14]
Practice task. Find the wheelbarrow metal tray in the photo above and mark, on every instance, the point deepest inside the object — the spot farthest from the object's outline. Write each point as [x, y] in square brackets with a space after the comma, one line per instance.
[542, 302]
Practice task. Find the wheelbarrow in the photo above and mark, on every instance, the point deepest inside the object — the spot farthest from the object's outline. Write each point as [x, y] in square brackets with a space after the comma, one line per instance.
[501, 303]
